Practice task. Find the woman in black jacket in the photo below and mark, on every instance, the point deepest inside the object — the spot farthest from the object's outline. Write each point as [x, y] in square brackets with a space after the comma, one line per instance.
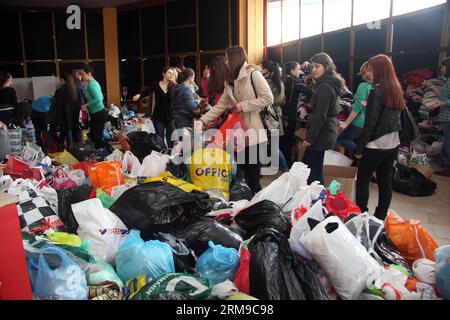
[378, 145]
[68, 101]
[8, 98]
[294, 87]
[322, 122]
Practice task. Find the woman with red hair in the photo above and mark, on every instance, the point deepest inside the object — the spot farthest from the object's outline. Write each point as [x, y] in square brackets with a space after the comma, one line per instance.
[378, 145]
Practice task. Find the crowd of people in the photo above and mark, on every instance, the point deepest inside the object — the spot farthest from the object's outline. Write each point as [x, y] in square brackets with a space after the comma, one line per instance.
[229, 84]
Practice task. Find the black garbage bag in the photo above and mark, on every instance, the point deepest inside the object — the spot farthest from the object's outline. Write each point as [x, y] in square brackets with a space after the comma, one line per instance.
[386, 249]
[182, 256]
[263, 214]
[83, 151]
[275, 273]
[411, 182]
[177, 170]
[240, 190]
[148, 206]
[198, 233]
[67, 197]
[143, 143]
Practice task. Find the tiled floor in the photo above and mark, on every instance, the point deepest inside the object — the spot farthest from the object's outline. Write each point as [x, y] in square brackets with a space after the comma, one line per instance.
[433, 212]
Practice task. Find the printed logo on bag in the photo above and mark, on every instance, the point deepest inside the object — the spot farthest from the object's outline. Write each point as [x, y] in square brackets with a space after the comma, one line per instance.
[213, 172]
[114, 231]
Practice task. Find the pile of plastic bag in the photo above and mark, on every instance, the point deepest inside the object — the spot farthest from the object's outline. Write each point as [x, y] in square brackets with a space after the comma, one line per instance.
[125, 227]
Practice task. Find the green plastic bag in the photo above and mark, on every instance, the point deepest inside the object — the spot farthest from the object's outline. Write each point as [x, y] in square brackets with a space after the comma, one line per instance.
[334, 187]
[198, 288]
[67, 239]
[102, 272]
[39, 242]
[106, 199]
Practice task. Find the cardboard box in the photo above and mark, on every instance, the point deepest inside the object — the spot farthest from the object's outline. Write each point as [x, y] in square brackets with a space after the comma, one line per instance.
[425, 170]
[346, 176]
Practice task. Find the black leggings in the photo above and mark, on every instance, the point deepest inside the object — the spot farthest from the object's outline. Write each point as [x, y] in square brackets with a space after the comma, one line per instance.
[97, 122]
[252, 167]
[381, 162]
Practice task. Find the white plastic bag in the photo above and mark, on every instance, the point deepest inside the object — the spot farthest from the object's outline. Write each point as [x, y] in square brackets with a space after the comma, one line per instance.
[104, 230]
[21, 188]
[116, 155]
[304, 197]
[153, 165]
[334, 158]
[117, 191]
[224, 289]
[131, 164]
[148, 127]
[283, 189]
[424, 270]
[32, 154]
[5, 183]
[77, 176]
[341, 256]
[301, 228]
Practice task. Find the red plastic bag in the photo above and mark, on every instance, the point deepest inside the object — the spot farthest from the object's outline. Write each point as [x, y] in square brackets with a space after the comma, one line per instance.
[124, 144]
[242, 278]
[410, 238]
[18, 168]
[61, 180]
[340, 205]
[235, 127]
[84, 165]
[106, 175]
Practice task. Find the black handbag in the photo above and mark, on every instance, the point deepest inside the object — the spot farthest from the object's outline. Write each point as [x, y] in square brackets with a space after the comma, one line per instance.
[269, 116]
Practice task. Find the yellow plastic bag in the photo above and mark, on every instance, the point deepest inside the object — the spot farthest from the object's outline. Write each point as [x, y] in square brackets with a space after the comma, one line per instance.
[169, 178]
[240, 296]
[211, 169]
[64, 157]
[64, 238]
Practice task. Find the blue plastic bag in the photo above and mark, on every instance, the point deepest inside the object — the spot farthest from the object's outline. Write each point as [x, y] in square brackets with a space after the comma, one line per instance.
[137, 257]
[218, 264]
[442, 255]
[59, 278]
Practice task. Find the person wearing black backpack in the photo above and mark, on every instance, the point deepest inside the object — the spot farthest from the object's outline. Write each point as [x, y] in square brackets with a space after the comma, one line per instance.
[378, 145]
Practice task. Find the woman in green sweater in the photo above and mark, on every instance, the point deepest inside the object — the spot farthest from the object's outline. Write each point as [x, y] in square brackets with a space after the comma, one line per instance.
[353, 126]
[96, 108]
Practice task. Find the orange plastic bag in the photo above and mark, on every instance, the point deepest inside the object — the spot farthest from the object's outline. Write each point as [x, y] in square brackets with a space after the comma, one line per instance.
[410, 238]
[106, 175]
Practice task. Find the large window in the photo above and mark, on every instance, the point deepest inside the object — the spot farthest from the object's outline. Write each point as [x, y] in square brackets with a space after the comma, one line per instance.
[406, 6]
[291, 20]
[314, 17]
[338, 15]
[274, 23]
[311, 18]
[366, 11]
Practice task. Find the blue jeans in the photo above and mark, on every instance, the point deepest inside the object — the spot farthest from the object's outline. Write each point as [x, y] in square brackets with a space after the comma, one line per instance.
[314, 160]
[283, 162]
[445, 155]
[348, 137]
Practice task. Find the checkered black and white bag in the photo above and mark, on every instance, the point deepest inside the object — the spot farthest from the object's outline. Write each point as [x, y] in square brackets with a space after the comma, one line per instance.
[36, 216]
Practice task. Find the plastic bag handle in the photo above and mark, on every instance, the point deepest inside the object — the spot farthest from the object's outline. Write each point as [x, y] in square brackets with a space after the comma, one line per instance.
[418, 241]
[65, 260]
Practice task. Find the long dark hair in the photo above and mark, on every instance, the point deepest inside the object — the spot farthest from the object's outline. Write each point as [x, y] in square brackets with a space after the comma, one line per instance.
[273, 67]
[218, 70]
[385, 76]
[185, 74]
[236, 58]
[288, 67]
[330, 68]
[71, 86]
[4, 77]
[24, 110]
